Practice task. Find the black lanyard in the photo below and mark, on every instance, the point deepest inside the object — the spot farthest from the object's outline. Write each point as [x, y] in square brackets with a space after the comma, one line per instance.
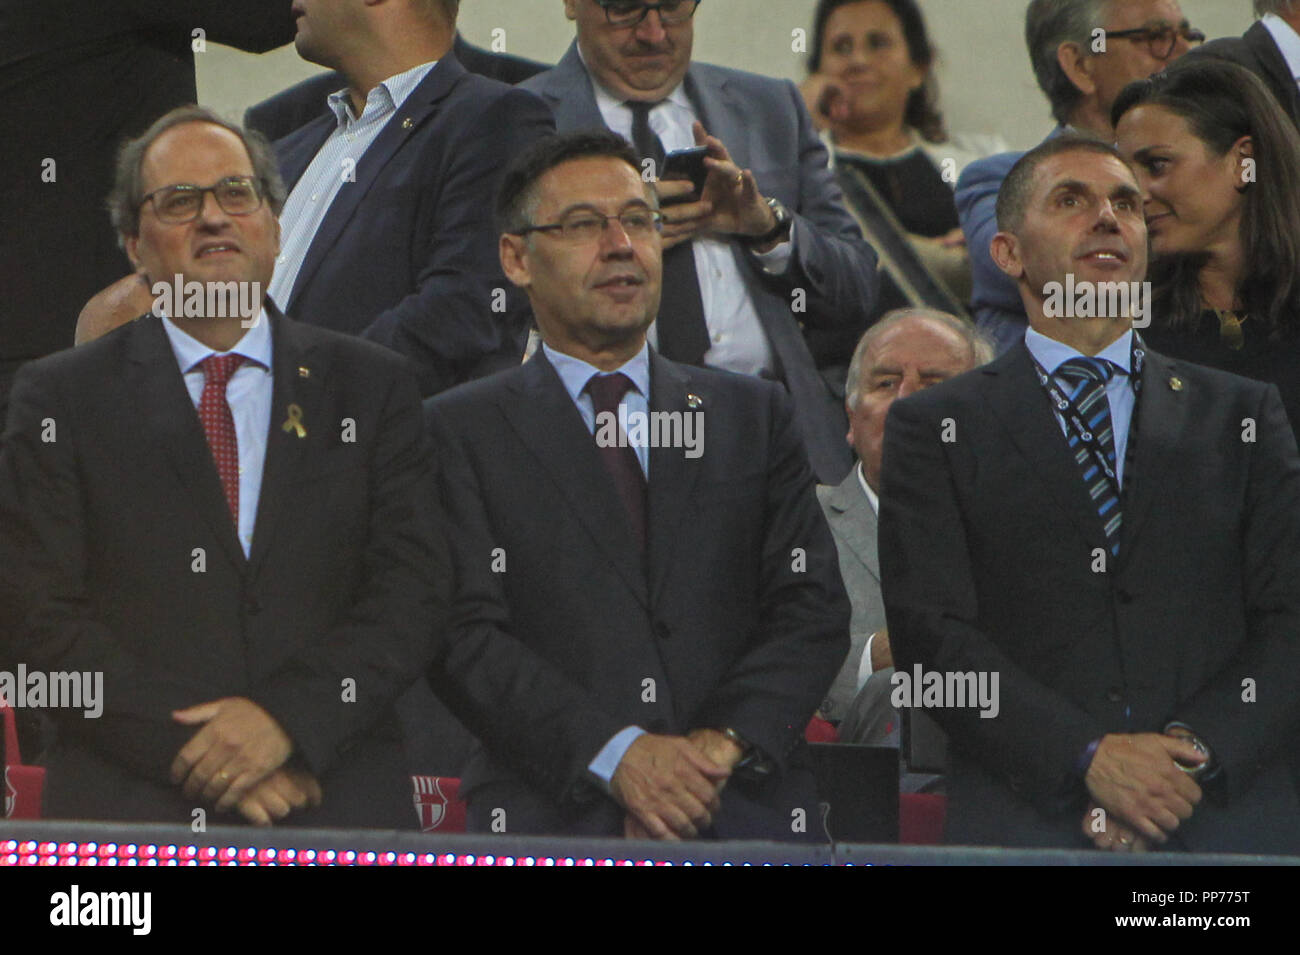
[1075, 420]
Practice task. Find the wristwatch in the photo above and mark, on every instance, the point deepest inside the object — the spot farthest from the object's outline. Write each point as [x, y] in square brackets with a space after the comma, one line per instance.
[780, 231]
[1206, 770]
[752, 761]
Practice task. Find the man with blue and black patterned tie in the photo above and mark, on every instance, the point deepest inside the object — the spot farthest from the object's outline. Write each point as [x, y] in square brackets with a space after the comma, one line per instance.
[1111, 534]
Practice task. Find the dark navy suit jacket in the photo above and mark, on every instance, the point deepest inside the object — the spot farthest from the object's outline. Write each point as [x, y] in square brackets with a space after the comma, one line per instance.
[735, 617]
[407, 254]
[988, 563]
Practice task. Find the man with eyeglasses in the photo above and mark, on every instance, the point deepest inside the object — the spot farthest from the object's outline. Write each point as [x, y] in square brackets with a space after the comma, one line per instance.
[1083, 53]
[1270, 49]
[649, 604]
[768, 247]
[224, 514]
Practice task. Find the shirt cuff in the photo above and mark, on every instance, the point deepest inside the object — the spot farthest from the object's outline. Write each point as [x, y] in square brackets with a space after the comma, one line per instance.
[864, 665]
[777, 261]
[607, 760]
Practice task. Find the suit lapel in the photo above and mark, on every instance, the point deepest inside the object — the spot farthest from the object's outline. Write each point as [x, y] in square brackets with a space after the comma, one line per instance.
[1161, 419]
[569, 93]
[720, 112]
[549, 425]
[298, 376]
[1017, 398]
[410, 116]
[672, 474]
[855, 522]
[164, 405]
[1274, 64]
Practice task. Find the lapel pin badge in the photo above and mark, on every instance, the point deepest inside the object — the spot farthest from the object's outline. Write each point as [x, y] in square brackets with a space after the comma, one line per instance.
[406, 123]
[304, 371]
[294, 422]
[1175, 384]
[694, 401]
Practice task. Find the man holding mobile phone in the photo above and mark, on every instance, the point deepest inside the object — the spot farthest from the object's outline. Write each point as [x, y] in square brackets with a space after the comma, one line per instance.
[765, 245]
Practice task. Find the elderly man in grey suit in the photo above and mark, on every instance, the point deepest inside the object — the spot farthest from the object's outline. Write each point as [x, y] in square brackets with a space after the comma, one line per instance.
[767, 247]
[907, 350]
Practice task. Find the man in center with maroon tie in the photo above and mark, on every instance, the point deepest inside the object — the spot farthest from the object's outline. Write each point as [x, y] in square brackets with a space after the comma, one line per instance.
[642, 630]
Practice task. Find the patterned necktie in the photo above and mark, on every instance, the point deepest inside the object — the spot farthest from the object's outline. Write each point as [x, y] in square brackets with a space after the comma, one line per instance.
[681, 326]
[1087, 378]
[620, 461]
[219, 424]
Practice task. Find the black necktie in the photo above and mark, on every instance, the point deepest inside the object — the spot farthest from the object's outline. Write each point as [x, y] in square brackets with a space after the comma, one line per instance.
[620, 460]
[683, 332]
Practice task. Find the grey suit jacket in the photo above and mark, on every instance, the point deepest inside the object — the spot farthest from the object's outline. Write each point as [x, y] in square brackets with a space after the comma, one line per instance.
[832, 275]
[853, 524]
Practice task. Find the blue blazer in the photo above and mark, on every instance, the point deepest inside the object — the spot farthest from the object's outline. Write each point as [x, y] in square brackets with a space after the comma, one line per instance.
[407, 255]
[994, 296]
[766, 128]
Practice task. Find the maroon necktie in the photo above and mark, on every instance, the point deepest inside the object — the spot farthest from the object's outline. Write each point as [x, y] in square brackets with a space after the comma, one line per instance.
[219, 424]
[620, 461]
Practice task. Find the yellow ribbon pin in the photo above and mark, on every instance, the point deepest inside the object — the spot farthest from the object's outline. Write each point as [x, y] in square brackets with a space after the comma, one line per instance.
[295, 422]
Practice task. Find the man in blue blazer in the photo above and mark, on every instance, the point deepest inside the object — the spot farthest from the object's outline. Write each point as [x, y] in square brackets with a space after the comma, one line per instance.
[277, 116]
[761, 255]
[388, 227]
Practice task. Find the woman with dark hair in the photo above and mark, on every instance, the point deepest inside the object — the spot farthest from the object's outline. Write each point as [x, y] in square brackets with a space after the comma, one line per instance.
[872, 91]
[1219, 166]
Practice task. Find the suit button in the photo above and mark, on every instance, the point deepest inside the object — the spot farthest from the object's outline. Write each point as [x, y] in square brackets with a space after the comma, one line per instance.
[662, 631]
[1114, 694]
[252, 606]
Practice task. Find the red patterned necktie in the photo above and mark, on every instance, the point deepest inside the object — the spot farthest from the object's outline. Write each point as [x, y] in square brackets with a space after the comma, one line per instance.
[219, 424]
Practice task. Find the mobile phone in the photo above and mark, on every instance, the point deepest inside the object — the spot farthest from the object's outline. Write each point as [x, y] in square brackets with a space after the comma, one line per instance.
[686, 164]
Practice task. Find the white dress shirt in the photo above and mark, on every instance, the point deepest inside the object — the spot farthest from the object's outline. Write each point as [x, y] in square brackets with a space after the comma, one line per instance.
[1287, 40]
[737, 341]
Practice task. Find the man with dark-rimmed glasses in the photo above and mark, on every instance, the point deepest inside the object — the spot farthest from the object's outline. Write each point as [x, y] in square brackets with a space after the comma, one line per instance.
[227, 515]
[765, 249]
[664, 608]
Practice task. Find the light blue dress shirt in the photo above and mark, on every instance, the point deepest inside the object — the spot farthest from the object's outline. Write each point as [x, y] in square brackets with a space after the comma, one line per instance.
[249, 395]
[333, 166]
[1051, 354]
[575, 373]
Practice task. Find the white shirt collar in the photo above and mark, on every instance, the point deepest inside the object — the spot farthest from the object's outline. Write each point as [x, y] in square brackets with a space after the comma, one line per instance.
[872, 499]
[1287, 40]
